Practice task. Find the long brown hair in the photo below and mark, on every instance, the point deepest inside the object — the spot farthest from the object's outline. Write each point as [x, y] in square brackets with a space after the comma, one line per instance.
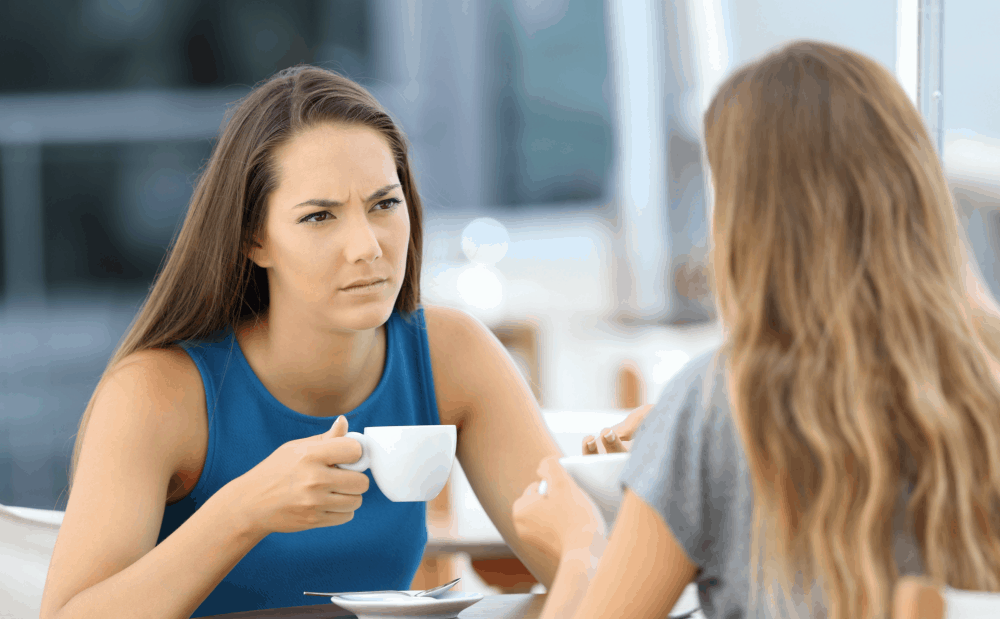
[208, 282]
[858, 366]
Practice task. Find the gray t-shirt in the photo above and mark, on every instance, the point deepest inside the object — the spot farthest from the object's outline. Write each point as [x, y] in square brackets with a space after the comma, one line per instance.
[688, 464]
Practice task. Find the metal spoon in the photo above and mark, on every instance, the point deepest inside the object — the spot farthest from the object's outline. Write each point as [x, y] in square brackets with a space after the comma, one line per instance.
[419, 594]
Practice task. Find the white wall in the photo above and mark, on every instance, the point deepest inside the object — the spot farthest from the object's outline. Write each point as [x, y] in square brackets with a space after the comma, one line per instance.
[971, 44]
[868, 26]
[971, 72]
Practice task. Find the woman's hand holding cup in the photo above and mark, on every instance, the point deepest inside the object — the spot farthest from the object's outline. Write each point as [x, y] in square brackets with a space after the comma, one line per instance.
[298, 487]
[617, 438]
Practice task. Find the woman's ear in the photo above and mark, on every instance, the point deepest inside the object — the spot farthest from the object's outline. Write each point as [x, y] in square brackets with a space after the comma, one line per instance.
[258, 254]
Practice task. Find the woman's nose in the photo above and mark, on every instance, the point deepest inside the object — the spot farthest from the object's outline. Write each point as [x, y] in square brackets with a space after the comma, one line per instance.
[362, 244]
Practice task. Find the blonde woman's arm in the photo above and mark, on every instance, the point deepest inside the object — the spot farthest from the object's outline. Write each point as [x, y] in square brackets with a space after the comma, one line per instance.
[640, 575]
[640, 572]
[686, 498]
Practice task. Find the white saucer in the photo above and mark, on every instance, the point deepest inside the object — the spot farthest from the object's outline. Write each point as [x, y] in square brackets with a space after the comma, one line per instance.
[372, 605]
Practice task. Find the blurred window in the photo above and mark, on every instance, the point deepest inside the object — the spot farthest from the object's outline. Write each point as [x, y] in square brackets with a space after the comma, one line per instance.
[67, 45]
[552, 140]
[972, 126]
[112, 209]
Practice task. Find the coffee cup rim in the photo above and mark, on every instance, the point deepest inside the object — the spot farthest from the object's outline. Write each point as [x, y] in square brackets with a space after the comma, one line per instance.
[419, 428]
[593, 458]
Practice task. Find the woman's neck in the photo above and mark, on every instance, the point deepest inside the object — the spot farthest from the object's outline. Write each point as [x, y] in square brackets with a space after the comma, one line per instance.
[314, 372]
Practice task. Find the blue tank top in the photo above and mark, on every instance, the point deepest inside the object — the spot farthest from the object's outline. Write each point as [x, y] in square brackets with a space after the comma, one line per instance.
[380, 548]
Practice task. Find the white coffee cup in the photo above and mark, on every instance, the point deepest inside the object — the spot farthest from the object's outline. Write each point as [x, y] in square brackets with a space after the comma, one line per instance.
[409, 463]
[598, 476]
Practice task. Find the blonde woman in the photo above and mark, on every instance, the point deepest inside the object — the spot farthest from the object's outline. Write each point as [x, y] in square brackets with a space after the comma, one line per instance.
[847, 431]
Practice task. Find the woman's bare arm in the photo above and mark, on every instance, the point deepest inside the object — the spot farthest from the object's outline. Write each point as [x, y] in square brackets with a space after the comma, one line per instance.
[148, 418]
[502, 437]
[641, 573]
[148, 423]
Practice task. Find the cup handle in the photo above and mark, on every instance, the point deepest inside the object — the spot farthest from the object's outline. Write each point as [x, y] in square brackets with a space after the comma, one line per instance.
[365, 462]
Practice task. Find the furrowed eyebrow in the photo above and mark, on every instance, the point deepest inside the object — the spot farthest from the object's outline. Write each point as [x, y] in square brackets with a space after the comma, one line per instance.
[381, 192]
[320, 202]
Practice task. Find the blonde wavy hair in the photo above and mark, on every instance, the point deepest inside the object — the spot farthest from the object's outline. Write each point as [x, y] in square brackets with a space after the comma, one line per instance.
[861, 347]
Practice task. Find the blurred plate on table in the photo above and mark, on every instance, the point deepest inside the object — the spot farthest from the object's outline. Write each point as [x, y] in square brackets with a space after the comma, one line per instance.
[372, 605]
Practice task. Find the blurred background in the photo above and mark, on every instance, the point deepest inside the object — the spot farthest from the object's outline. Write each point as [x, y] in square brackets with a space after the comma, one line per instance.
[557, 147]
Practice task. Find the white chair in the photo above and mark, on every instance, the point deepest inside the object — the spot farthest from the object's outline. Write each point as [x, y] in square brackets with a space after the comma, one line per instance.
[919, 598]
[27, 537]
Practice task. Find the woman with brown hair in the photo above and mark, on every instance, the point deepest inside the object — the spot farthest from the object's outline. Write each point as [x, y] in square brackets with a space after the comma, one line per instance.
[204, 478]
[847, 431]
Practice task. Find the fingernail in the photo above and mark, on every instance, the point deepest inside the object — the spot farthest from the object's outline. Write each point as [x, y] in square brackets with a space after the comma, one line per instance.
[592, 445]
[610, 436]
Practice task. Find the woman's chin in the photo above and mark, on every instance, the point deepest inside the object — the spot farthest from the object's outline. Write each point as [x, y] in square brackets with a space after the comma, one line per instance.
[363, 318]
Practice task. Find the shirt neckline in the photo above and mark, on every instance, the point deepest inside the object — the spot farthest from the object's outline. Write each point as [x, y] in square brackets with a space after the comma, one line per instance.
[357, 413]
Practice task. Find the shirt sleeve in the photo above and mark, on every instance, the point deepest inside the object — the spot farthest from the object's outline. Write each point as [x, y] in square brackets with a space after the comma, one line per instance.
[686, 463]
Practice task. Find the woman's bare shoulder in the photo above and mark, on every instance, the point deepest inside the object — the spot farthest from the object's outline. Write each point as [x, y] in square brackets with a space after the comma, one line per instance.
[160, 376]
[458, 341]
[452, 328]
[465, 357]
[170, 362]
[161, 390]
[140, 449]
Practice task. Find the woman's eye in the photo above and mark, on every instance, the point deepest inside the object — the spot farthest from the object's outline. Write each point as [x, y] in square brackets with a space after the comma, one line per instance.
[310, 218]
[388, 205]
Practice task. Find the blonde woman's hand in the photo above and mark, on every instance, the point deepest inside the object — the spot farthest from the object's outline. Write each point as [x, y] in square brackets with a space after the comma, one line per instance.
[298, 487]
[617, 438]
[561, 520]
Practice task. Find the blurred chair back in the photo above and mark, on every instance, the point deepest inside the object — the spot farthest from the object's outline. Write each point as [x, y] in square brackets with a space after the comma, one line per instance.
[520, 338]
[919, 598]
[27, 537]
[630, 388]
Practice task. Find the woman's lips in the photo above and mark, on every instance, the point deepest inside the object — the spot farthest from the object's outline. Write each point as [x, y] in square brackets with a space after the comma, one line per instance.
[366, 289]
